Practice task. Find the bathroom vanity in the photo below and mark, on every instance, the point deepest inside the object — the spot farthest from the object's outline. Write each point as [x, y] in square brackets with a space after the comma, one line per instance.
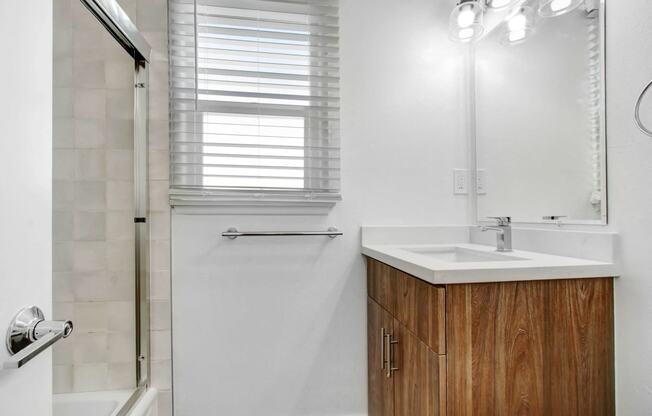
[454, 329]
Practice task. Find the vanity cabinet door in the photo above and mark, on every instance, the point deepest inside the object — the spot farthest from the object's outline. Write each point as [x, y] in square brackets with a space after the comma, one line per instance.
[380, 324]
[420, 378]
[421, 307]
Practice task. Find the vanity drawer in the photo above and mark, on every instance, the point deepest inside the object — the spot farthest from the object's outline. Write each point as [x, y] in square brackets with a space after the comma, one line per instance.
[381, 284]
[418, 305]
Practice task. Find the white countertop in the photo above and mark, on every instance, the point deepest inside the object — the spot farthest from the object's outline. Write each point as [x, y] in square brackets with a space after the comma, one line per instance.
[529, 266]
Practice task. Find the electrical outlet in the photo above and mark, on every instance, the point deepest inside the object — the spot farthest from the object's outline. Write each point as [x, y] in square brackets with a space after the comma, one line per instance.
[481, 182]
[460, 181]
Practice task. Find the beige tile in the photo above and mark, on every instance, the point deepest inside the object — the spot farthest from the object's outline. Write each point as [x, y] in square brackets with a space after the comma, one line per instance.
[159, 196]
[63, 287]
[63, 164]
[63, 257]
[158, 105]
[104, 286]
[159, 135]
[159, 161]
[63, 352]
[160, 285]
[158, 77]
[63, 133]
[63, 311]
[90, 195]
[122, 348]
[62, 13]
[160, 315]
[121, 376]
[91, 317]
[120, 195]
[85, 42]
[82, 18]
[90, 164]
[63, 102]
[90, 103]
[152, 15]
[120, 104]
[161, 374]
[90, 348]
[161, 344]
[62, 72]
[89, 72]
[90, 226]
[120, 225]
[120, 165]
[89, 256]
[119, 73]
[159, 226]
[62, 379]
[90, 377]
[63, 194]
[160, 255]
[120, 134]
[120, 256]
[122, 316]
[90, 133]
[62, 42]
[62, 226]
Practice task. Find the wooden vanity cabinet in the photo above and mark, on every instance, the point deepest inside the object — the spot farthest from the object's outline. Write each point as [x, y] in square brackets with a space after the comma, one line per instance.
[510, 348]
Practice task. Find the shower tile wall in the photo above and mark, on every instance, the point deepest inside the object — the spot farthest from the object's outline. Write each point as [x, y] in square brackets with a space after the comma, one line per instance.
[93, 281]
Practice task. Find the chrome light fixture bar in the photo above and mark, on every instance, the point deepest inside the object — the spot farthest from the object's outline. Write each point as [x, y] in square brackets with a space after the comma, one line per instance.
[552, 8]
[500, 4]
[467, 21]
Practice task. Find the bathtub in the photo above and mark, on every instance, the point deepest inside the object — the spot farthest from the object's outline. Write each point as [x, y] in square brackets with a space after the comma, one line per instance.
[105, 403]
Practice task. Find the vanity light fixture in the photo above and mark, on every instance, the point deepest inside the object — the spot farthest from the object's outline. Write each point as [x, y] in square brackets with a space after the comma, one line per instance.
[500, 4]
[466, 21]
[520, 25]
[552, 8]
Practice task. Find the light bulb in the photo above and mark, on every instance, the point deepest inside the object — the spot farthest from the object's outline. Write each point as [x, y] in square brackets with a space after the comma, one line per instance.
[466, 17]
[498, 4]
[517, 23]
[557, 5]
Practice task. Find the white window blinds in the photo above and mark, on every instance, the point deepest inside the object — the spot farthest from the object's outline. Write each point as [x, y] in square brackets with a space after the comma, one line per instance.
[254, 101]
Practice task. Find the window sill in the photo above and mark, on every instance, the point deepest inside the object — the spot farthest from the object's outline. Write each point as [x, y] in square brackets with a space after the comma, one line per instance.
[198, 206]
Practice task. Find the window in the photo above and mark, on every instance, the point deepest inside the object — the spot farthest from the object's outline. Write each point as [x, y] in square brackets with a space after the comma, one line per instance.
[254, 101]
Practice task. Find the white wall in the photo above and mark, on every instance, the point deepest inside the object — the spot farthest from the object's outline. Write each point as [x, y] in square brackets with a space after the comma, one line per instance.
[277, 326]
[25, 191]
[629, 67]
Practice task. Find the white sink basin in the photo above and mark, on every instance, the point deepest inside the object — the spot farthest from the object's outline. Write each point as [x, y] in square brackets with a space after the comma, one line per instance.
[460, 255]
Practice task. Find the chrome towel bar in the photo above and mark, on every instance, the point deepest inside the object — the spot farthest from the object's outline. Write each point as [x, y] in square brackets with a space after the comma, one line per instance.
[233, 233]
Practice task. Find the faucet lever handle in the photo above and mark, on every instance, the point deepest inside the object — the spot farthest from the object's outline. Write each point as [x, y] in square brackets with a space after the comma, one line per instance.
[502, 221]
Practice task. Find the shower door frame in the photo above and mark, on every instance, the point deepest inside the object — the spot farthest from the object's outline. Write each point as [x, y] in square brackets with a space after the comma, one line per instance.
[119, 25]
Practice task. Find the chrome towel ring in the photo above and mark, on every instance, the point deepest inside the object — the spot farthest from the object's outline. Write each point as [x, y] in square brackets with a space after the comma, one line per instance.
[637, 111]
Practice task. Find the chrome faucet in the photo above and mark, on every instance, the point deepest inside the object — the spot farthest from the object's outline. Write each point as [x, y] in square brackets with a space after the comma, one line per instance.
[503, 233]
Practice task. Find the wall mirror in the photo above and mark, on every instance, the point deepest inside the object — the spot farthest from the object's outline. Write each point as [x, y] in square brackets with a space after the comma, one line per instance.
[540, 113]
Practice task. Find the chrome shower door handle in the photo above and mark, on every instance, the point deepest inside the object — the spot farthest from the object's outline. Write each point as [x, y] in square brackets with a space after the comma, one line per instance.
[29, 334]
